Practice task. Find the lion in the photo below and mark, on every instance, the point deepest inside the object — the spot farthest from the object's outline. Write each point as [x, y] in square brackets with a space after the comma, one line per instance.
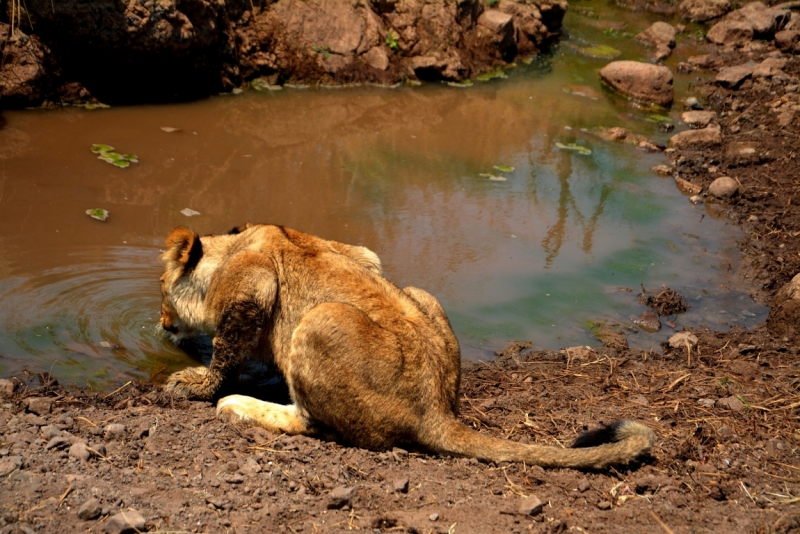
[365, 361]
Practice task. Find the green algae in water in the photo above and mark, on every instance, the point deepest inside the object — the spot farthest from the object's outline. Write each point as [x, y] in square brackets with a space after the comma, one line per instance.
[261, 85]
[494, 75]
[106, 153]
[582, 150]
[658, 119]
[599, 51]
[464, 84]
[504, 168]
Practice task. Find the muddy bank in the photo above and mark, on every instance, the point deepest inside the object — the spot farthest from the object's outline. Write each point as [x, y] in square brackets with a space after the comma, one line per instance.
[80, 50]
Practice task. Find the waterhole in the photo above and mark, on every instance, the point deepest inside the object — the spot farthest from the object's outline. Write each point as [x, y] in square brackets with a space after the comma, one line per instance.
[492, 197]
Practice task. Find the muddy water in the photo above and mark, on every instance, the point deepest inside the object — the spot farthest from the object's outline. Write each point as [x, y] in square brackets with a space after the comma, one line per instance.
[537, 256]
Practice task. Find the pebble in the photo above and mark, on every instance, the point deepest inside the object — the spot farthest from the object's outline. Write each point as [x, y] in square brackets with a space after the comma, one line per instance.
[39, 405]
[234, 479]
[114, 431]
[680, 340]
[6, 388]
[724, 187]
[401, 485]
[530, 506]
[686, 187]
[341, 497]
[732, 403]
[127, 522]
[583, 485]
[81, 451]
[9, 464]
[49, 432]
[604, 505]
[251, 467]
[434, 516]
[57, 443]
[91, 509]
[661, 170]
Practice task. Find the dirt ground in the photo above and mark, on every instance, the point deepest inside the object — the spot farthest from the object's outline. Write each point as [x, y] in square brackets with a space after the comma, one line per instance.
[726, 412]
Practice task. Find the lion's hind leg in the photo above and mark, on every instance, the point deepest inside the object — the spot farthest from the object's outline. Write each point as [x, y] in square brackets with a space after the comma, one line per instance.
[277, 418]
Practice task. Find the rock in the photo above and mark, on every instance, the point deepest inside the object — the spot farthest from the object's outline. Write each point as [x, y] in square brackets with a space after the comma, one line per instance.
[648, 321]
[33, 419]
[661, 170]
[530, 506]
[696, 199]
[89, 510]
[114, 431]
[659, 34]
[341, 497]
[6, 389]
[39, 405]
[698, 119]
[770, 67]
[604, 505]
[731, 403]
[651, 483]
[692, 103]
[682, 339]
[786, 40]
[583, 485]
[377, 58]
[401, 485]
[9, 464]
[703, 10]
[49, 432]
[724, 187]
[127, 522]
[80, 450]
[703, 137]
[763, 20]
[730, 33]
[784, 311]
[732, 77]
[27, 71]
[496, 21]
[234, 478]
[704, 61]
[642, 81]
[706, 403]
[433, 517]
[686, 187]
[57, 443]
[251, 467]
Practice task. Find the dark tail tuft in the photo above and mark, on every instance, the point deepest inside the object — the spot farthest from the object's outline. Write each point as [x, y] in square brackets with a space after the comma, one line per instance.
[599, 436]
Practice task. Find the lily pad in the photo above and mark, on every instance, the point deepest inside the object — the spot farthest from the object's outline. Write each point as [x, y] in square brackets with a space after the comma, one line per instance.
[599, 51]
[465, 83]
[189, 212]
[582, 150]
[97, 213]
[106, 153]
[495, 74]
[504, 168]
[100, 149]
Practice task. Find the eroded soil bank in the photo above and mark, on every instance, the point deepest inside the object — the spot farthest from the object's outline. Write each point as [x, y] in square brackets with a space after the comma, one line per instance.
[115, 52]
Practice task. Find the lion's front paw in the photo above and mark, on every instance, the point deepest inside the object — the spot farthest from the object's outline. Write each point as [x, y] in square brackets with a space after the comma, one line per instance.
[236, 409]
[193, 382]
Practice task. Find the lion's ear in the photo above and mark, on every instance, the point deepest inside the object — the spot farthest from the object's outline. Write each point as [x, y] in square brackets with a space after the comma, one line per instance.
[184, 246]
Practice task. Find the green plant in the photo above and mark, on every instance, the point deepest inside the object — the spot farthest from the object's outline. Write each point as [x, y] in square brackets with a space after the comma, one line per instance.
[492, 3]
[391, 41]
[324, 50]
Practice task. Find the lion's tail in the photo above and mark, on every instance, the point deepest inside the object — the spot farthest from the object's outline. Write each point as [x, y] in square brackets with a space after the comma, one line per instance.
[617, 443]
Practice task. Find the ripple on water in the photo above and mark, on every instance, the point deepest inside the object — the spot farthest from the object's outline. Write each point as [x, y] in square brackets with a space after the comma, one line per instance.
[90, 322]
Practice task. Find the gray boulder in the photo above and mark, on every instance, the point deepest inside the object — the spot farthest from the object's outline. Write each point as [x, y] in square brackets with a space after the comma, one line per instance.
[642, 81]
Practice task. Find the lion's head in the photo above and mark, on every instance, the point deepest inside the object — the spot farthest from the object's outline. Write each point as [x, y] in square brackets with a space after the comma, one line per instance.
[182, 293]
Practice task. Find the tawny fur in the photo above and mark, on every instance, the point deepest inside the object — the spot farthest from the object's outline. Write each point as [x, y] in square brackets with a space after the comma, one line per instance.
[377, 365]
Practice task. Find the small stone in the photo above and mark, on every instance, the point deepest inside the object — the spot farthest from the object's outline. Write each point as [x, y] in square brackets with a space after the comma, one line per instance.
[730, 32]
[731, 403]
[583, 485]
[399, 453]
[49, 432]
[251, 467]
[6, 389]
[33, 419]
[530, 506]
[234, 479]
[725, 432]
[341, 497]
[604, 505]
[89, 510]
[686, 187]
[682, 339]
[9, 464]
[732, 77]
[39, 405]
[127, 522]
[661, 170]
[401, 485]
[114, 431]
[434, 516]
[80, 450]
[708, 136]
[692, 103]
[706, 403]
[696, 199]
[724, 187]
[698, 119]
[377, 58]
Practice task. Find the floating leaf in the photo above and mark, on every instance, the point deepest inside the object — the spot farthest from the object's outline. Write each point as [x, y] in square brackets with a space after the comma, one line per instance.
[495, 74]
[498, 178]
[169, 129]
[465, 83]
[97, 213]
[600, 51]
[100, 149]
[189, 212]
[96, 105]
[582, 150]
[504, 168]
